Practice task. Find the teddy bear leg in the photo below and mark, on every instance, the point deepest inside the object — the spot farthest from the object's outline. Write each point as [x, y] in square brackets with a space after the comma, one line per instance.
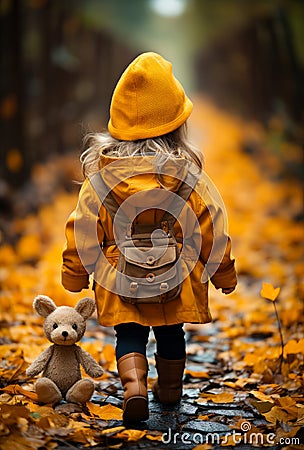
[81, 391]
[47, 391]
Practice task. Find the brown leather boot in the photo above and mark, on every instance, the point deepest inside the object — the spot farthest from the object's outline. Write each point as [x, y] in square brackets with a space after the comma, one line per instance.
[169, 386]
[133, 371]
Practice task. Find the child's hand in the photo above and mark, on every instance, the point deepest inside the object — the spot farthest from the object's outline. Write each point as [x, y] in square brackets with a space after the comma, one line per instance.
[227, 291]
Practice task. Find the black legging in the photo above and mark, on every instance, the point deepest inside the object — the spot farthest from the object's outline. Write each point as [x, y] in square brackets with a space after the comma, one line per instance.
[132, 337]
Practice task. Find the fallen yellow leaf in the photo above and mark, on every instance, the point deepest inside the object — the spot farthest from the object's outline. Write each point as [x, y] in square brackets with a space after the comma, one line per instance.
[197, 374]
[155, 437]
[269, 292]
[217, 398]
[294, 347]
[203, 417]
[131, 435]
[10, 415]
[84, 436]
[41, 411]
[286, 402]
[18, 442]
[261, 396]
[15, 389]
[277, 414]
[202, 447]
[107, 412]
[112, 431]
[229, 441]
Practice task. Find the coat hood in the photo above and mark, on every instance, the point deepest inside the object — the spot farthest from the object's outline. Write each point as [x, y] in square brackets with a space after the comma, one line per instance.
[126, 176]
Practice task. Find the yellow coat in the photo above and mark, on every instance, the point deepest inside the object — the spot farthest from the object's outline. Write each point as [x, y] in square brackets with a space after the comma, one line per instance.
[90, 223]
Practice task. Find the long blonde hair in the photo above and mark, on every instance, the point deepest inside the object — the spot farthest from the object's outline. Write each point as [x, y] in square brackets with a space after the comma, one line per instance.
[171, 145]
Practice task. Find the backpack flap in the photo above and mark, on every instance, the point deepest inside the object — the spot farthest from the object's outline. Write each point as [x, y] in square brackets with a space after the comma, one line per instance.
[149, 275]
[153, 258]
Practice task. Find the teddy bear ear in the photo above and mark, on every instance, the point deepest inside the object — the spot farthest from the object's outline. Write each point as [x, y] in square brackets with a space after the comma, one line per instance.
[85, 307]
[44, 305]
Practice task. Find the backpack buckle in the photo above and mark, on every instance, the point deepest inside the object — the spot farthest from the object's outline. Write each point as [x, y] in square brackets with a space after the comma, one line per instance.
[133, 287]
[150, 260]
[163, 287]
[150, 277]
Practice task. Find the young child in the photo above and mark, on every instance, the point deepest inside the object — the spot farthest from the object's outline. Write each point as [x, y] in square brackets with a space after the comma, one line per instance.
[146, 150]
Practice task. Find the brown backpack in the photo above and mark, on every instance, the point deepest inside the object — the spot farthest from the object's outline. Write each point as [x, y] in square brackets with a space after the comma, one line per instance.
[149, 266]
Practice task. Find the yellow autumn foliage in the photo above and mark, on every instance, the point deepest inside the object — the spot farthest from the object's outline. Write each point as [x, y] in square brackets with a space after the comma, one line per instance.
[263, 210]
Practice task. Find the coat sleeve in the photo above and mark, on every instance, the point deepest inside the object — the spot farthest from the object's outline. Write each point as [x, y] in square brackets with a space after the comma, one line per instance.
[216, 244]
[84, 235]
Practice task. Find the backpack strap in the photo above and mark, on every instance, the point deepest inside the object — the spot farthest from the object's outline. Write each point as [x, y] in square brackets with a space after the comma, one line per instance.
[184, 192]
[109, 202]
[105, 195]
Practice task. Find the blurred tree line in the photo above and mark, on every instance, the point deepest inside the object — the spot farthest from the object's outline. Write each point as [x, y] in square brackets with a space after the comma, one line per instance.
[56, 76]
[257, 67]
[60, 60]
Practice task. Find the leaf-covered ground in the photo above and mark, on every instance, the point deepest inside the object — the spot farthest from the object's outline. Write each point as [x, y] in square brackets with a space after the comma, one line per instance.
[241, 389]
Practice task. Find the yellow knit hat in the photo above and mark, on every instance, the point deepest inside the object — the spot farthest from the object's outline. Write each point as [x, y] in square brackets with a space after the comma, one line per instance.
[148, 100]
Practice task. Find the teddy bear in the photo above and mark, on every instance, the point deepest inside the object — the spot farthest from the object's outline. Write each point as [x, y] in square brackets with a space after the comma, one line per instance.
[60, 363]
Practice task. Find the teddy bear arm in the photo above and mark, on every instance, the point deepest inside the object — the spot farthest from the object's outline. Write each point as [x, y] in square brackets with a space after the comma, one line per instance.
[40, 363]
[89, 364]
